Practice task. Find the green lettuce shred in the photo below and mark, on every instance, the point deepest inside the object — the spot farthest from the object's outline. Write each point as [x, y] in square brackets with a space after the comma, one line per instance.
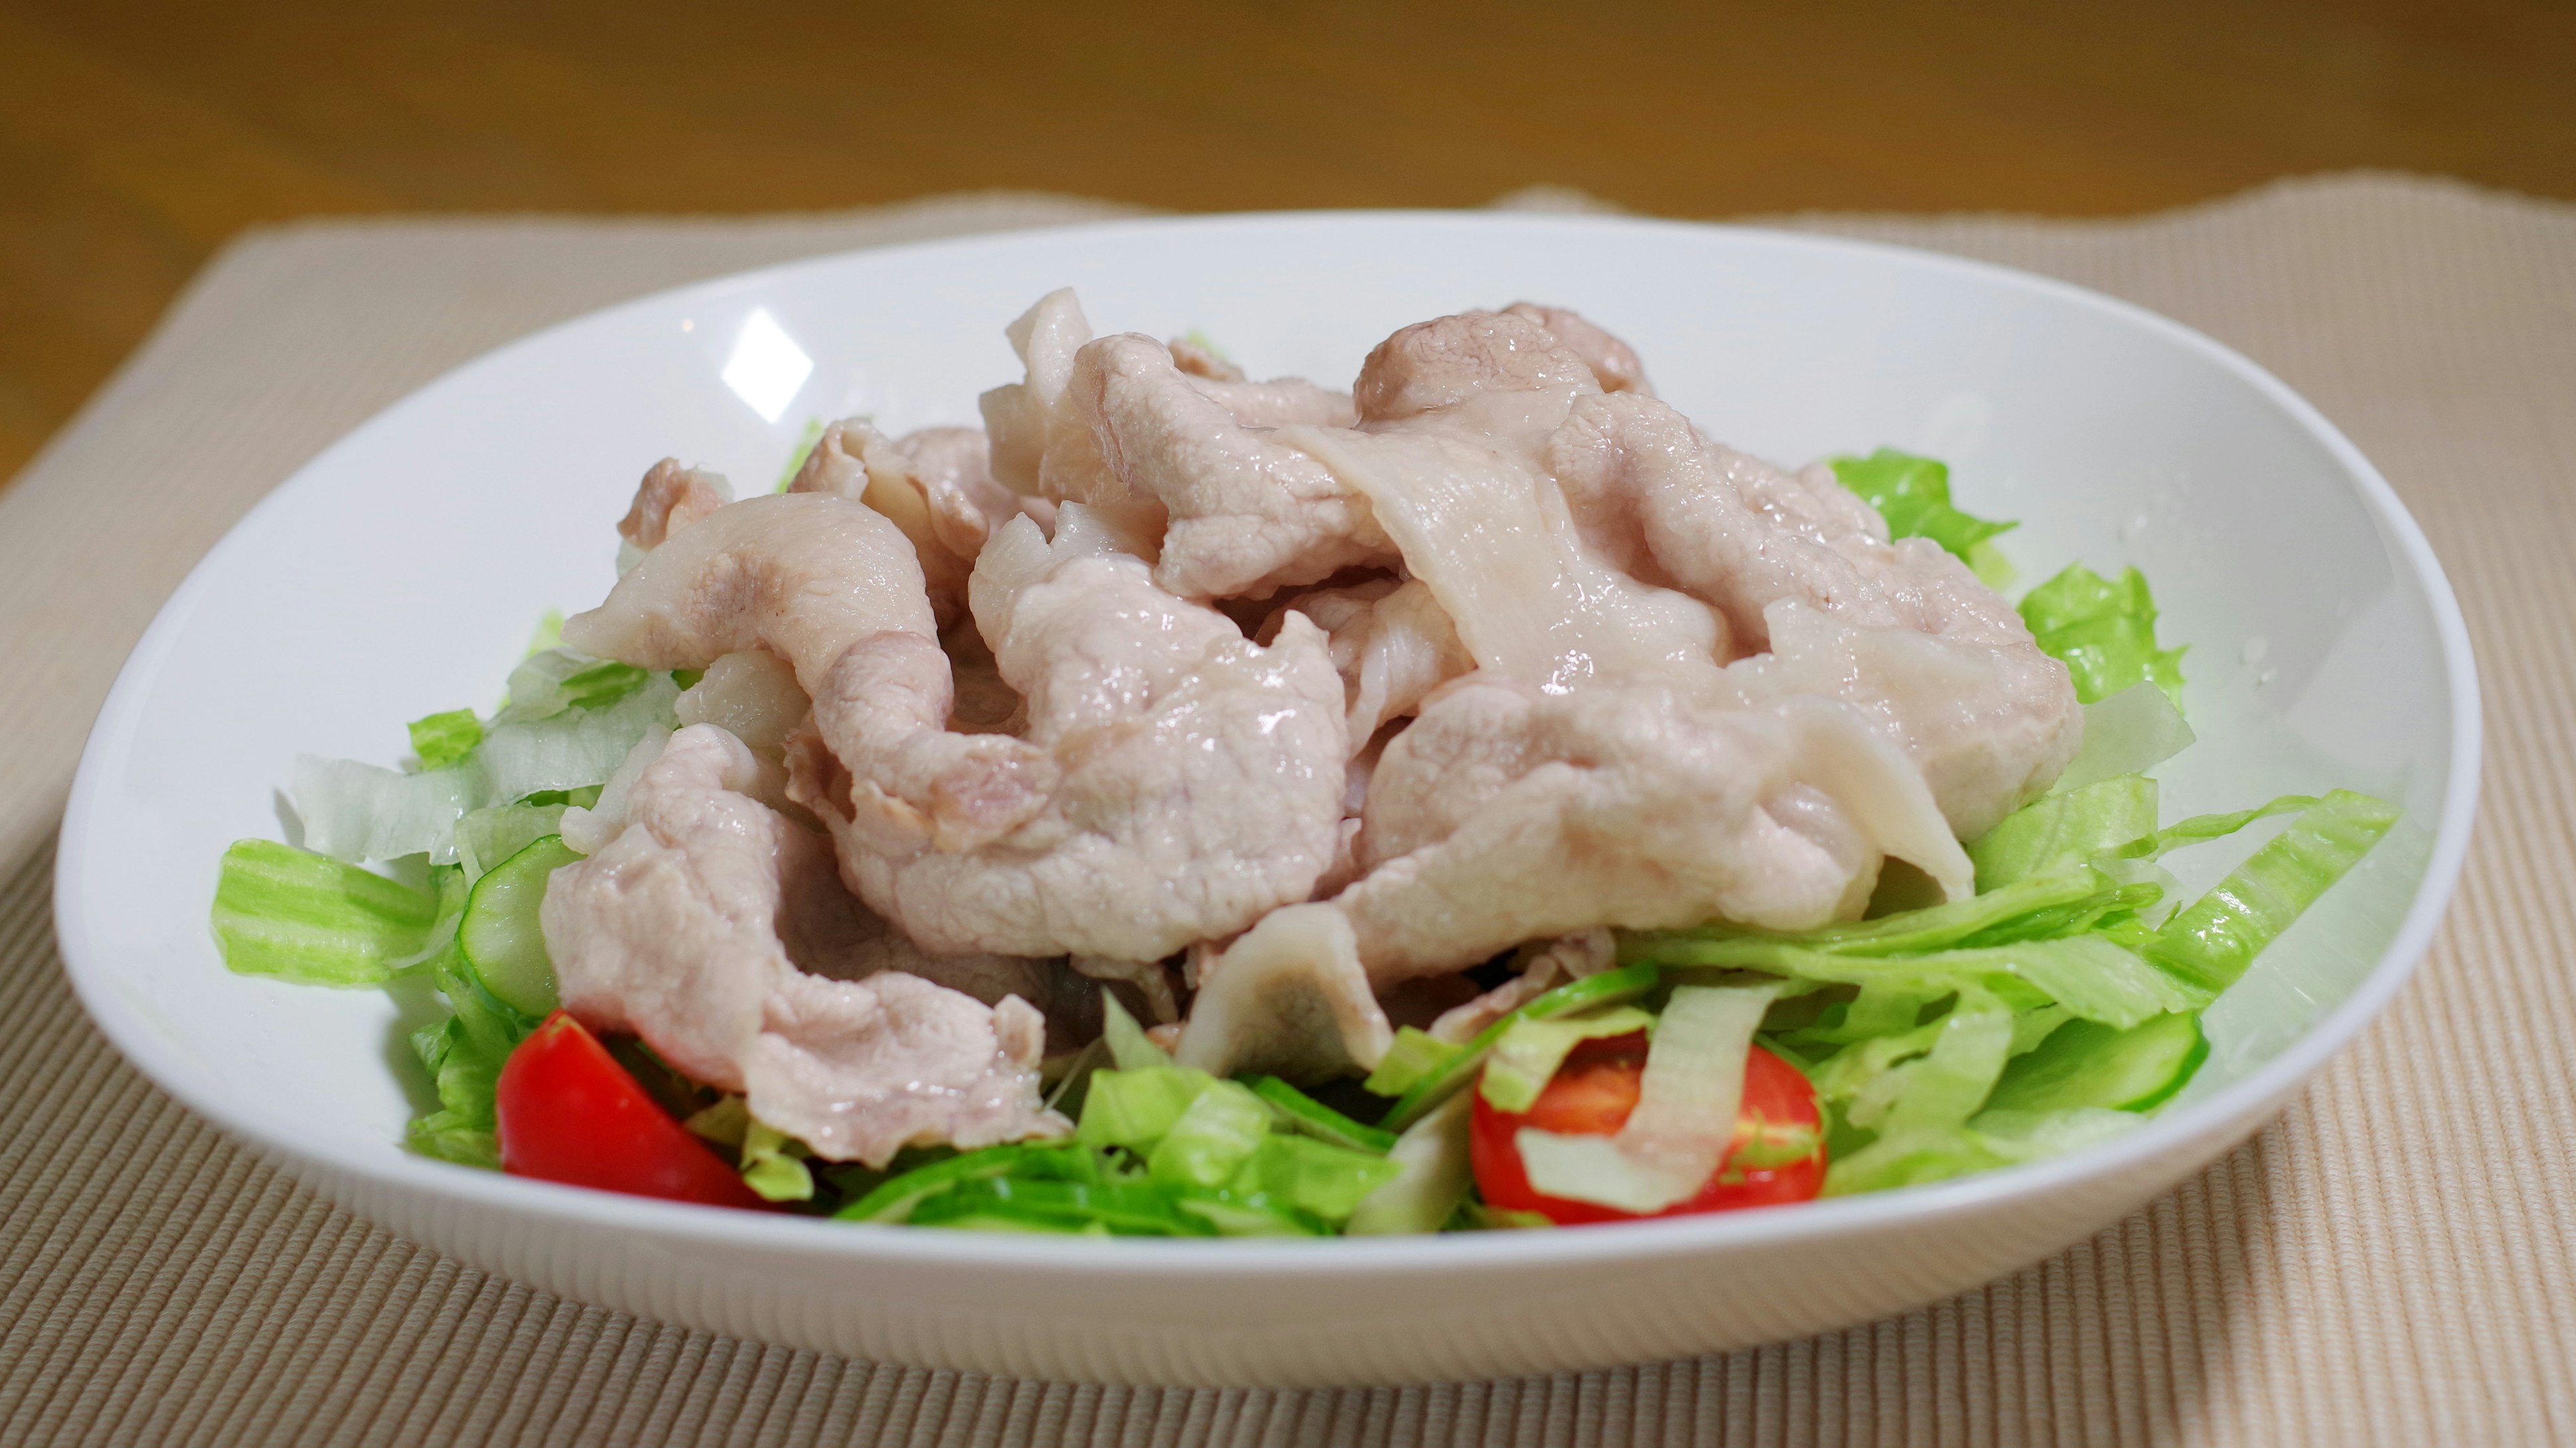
[1159, 1150]
[1299, 1112]
[2211, 942]
[297, 916]
[2044, 1013]
[442, 739]
[773, 1164]
[1913, 495]
[1135, 1108]
[1529, 1053]
[1414, 1057]
[464, 1055]
[2104, 630]
[2065, 829]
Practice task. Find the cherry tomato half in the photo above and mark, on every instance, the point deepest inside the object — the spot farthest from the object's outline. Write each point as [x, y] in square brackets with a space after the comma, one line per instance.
[1592, 1094]
[569, 1113]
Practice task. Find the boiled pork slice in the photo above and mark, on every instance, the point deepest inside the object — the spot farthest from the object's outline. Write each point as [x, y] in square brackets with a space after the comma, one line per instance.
[1506, 814]
[1175, 783]
[718, 931]
[1810, 584]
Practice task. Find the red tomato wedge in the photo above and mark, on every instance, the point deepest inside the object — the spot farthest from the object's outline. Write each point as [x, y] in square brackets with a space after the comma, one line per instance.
[1592, 1094]
[569, 1113]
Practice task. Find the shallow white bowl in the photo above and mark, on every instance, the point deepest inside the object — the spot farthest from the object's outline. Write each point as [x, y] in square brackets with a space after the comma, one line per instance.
[401, 571]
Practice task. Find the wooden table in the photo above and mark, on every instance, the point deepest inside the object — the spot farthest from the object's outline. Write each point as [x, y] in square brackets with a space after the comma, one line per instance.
[134, 138]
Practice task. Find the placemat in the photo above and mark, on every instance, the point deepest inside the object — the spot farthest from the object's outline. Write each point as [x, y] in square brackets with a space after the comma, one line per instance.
[2389, 1263]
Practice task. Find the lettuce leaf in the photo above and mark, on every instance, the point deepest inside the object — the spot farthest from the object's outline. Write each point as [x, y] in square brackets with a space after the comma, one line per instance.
[1991, 1139]
[2065, 829]
[2130, 732]
[1311, 1176]
[1414, 1057]
[1687, 1104]
[361, 812]
[554, 679]
[2104, 630]
[442, 739]
[1135, 1108]
[298, 916]
[464, 1055]
[1913, 495]
[2211, 942]
[1433, 1178]
[1213, 1136]
[1529, 1053]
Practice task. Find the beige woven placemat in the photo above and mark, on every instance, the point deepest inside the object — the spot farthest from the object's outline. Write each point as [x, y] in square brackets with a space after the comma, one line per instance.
[2389, 1263]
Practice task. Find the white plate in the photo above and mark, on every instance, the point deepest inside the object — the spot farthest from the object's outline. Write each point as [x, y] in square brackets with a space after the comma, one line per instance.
[401, 571]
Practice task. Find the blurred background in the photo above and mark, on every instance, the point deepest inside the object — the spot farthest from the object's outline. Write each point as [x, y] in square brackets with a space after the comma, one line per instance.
[136, 138]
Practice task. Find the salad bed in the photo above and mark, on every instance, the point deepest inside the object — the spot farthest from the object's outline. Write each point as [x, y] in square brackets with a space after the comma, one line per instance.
[1712, 1069]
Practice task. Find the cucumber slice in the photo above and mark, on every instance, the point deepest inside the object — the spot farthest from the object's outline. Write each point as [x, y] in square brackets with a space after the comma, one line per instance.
[2086, 1063]
[500, 934]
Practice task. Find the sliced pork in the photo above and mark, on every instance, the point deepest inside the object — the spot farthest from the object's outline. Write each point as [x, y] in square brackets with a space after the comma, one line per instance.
[719, 932]
[1454, 415]
[936, 485]
[670, 498]
[1614, 363]
[1331, 695]
[1804, 572]
[802, 575]
[1392, 642]
[1174, 783]
[1507, 814]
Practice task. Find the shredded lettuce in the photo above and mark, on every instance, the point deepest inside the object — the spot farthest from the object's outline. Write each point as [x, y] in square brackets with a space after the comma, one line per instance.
[1159, 1150]
[464, 1055]
[2024, 909]
[799, 452]
[1913, 495]
[1413, 1057]
[2211, 942]
[2130, 732]
[1433, 1175]
[307, 918]
[574, 739]
[1310, 1176]
[1991, 1140]
[440, 740]
[487, 836]
[773, 1164]
[1129, 1047]
[2044, 1013]
[1299, 1112]
[1676, 1137]
[1216, 1133]
[2105, 632]
[554, 679]
[1530, 1052]
[361, 812]
[576, 746]
[2065, 829]
[1137, 1106]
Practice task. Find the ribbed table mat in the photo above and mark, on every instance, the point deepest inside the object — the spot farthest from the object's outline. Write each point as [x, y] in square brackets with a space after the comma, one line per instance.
[2389, 1263]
